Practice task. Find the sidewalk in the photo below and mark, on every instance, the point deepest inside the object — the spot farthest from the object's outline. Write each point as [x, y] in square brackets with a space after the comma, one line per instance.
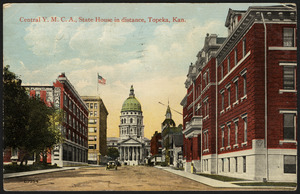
[217, 183]
[34, 172]
[200, 179]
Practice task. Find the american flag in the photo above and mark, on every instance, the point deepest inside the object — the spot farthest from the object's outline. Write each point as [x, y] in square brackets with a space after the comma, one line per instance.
[101, 80]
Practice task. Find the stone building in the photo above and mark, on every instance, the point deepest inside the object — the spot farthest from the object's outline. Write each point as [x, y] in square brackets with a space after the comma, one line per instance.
[133, 146]
[240, 110]
[97, 129]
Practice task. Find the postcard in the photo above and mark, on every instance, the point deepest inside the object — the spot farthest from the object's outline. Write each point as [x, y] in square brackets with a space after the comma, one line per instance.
[149, 96]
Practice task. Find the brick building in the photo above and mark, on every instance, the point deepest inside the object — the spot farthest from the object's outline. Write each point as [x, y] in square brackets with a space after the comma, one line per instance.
[240, 115]
[73, 151]
[97, 129]
[156, 147]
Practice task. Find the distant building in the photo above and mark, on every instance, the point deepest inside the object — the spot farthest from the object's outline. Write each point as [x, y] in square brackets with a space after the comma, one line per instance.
[73, 151]
[177, 147]
[169, 129]
[156, 147]
[97, 129]
[133, 146]
[240, 110]
[112, 142]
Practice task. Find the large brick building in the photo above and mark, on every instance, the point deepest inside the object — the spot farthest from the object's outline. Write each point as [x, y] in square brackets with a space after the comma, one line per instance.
[62, 94]
[241, 104]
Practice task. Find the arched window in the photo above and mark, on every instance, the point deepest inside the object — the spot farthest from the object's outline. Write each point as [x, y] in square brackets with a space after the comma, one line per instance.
[124, 120]
[131, 120]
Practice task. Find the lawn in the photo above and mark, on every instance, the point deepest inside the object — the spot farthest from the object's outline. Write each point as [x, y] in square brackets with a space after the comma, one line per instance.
[18, 168]
[220, 177]
[268, 184]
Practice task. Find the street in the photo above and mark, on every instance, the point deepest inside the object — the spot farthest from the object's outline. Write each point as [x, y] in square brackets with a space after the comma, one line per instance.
[126, 178]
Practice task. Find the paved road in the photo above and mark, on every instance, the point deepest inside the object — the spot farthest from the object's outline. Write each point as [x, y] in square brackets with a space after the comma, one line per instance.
[126, 178]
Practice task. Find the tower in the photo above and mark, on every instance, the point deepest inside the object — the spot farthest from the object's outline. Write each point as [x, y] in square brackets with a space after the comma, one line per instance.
[131, 119]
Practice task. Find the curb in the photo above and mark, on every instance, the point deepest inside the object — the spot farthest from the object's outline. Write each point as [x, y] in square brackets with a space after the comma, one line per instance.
[35, 172]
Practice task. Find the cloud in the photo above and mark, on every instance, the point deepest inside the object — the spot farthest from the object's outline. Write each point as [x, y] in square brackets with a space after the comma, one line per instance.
[175, 46]
[98, 39]
[89, 39]
[48, 38]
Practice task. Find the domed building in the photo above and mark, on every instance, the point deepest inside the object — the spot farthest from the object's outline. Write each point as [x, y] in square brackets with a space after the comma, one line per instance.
[133, 146]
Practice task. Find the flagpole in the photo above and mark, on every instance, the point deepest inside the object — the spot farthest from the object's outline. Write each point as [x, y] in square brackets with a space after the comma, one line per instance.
[97, 84]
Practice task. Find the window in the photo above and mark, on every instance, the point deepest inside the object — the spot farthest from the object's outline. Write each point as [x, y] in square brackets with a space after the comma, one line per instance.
[92, 130]
[289, 164]
[95, 105]
[235, 56]
[244, 47]
[91, 113]
[205, 79]
[236, 90]
[245, 129]
[222, 96]
[222, 164]
[206, 140]
[65, 99]
[228, 89]
[222, 136]
[288, 37]
[131, 120]
[288, 77]
[92, 121]
[207, 108]
[236, 164]
[95, 113]
[228, 164]
[91, 105]
[92, 146]
[208, 80]
[289, 126]
[244, 163]
[222, 71]
[228, 64]
[228, 143]
[92, 138]
[245, 84]
[236, 132]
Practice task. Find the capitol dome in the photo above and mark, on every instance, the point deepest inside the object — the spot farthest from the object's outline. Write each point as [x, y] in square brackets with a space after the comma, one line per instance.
[131, 103]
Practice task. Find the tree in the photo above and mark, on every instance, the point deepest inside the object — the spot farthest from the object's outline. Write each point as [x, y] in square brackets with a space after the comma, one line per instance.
[113, 153]
[29, 124]
[15, 107]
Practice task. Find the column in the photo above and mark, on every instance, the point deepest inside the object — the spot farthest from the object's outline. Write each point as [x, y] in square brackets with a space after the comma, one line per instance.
[138, 154]
[127, 153]
[133, 153]
[130, 153]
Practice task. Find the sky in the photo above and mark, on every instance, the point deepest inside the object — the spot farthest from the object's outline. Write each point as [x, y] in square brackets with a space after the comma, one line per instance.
[153, 56]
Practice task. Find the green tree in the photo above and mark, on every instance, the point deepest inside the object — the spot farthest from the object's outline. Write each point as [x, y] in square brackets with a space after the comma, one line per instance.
[16, 115]
[113, 153]
[29, 124]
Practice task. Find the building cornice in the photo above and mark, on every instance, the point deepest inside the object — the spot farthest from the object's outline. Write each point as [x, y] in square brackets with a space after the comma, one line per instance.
[252, 15]
[73, 90]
